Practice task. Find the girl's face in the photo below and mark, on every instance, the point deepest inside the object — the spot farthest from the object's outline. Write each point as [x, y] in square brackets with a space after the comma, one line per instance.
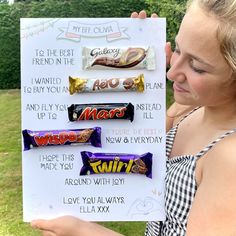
[199, 71]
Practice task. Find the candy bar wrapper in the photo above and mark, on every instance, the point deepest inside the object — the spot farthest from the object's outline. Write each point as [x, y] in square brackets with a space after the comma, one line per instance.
[97, 163]
[97, 111]
[118, 57]
[90, 136]
[79, 85]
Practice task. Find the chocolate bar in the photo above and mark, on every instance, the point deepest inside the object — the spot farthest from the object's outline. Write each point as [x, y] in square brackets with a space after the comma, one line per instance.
[79, 85]
[90, 136]
[111, 57]
[97, 163]
[101, 111]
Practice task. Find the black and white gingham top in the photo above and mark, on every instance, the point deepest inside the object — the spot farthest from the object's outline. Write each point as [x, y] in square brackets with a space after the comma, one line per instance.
[181, 187]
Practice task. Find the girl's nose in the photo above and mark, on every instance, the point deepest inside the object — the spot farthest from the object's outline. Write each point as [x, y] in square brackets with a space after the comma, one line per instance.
[176, 71]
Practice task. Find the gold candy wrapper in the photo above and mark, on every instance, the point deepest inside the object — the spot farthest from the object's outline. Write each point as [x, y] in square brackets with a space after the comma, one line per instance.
[79, 85]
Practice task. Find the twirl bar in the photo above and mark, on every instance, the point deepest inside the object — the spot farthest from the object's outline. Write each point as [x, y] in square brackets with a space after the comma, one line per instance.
[90, 136]
[99, 163]
[101, 111]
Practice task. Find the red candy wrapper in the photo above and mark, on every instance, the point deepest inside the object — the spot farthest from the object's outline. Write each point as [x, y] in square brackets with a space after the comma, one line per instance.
[99, 163]
[77, 112]
[90, 136]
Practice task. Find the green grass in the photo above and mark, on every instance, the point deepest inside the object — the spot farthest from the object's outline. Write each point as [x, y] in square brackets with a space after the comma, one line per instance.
[10, 167]
[11, 223]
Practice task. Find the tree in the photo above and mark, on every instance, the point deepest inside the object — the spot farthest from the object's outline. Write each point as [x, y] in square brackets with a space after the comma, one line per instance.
[28, 1]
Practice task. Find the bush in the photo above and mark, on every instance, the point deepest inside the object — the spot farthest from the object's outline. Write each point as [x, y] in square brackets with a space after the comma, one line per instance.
[9, 49]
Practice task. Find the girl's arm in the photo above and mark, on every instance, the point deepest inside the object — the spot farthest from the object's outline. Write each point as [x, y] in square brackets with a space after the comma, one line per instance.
[214, 208]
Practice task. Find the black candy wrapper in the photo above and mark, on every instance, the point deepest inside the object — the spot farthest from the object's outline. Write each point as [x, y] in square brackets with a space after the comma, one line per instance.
[97, 163]
[101, 111]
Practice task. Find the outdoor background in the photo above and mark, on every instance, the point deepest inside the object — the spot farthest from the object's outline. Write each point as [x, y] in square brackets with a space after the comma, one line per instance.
[10, 121]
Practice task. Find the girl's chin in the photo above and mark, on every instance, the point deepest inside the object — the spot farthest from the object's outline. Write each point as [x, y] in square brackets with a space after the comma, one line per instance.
[183, 100]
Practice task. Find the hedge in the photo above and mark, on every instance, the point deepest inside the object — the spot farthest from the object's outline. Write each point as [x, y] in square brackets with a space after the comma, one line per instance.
[10, 18]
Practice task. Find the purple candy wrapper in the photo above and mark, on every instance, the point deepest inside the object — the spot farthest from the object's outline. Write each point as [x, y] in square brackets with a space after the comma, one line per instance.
[61, 137]
[96, 163]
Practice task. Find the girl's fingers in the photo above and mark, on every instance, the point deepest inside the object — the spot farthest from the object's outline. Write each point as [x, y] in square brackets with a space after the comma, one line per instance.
[168, 52]
[48, 233]
[142, 14]
[42, 225]
[154, 15]
[134, 15]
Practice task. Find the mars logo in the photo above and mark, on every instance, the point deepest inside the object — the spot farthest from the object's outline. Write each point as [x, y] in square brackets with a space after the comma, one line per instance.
[93, 113]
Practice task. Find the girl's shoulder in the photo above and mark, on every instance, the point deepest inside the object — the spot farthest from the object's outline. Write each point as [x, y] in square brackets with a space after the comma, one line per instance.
[221, 159]
[214, 202]
[225, 150]
[175, 113]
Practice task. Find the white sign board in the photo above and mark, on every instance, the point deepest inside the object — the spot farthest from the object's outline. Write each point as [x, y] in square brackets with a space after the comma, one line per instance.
[51, 51]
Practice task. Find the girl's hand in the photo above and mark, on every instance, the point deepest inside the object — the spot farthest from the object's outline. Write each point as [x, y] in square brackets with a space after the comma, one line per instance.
[169, 53]
[71, 226]
[142, 15]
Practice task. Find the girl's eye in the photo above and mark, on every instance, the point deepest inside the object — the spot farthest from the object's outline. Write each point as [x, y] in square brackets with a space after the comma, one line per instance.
[177, 51]
[195, 69]
[199, 71]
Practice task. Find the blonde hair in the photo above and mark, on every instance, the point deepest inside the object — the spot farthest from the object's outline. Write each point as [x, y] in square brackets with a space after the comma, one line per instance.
[225, 12]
